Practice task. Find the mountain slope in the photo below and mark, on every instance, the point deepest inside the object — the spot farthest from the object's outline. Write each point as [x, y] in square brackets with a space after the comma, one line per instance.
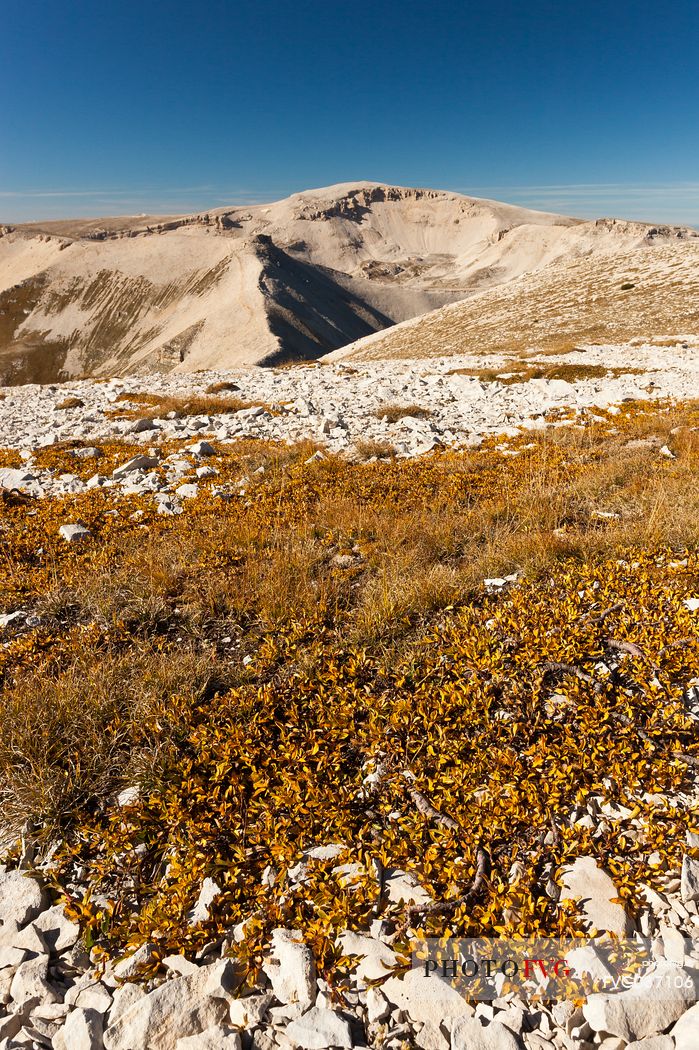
[295, 279]
[611, 297]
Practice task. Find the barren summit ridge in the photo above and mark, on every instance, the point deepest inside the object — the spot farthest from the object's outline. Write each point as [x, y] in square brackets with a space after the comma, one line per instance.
[294, 279]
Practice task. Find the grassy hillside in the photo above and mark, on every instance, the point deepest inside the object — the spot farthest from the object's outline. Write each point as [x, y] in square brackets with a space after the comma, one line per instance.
[309, 654]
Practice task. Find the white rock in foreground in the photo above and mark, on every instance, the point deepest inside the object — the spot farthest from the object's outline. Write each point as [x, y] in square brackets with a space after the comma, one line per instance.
[469, 1034]
[74, 533]
[689, 884]
[292, 970]
[250, 1010]
[212, 1039]
[686, 1031]
[319, 1030]
[653, 1042]
[648, 1008]
[169, 1013]
[592, 887]
[21, 898]
[425, 998]
[82, 1031]
[58, 931]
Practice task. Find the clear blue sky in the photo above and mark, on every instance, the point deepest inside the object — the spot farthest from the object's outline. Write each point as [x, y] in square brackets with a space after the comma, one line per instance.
[107, 107]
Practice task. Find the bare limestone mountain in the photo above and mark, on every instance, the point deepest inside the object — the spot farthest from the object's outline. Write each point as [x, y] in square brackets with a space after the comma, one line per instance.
[292, 280]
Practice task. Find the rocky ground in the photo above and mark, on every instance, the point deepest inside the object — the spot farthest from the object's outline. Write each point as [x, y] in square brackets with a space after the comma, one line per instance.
[340, 405]
[53, 995]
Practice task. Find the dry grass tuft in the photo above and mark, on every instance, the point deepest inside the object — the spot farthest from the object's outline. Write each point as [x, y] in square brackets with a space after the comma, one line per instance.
[71, 738]
[393, 412]
[161, 405]
[373, 448]
[224, 387]
[516, 371]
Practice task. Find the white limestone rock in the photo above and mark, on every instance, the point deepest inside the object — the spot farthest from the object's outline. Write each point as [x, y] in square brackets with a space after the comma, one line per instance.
[378, 1007]
[648, 1008]
[58, 931]
[202, 449]
[21, 898]
[689, 879]
[74, 533]
[9, 1028]
[249, 1012]
[180, 965]
[96, 998]
[81, 1031]
[319, 1030]
[425, 998]
[30, 985]
[594, 890]
[291, 969]
[133, 964]
[140, 426]
[170, 1012]
[187, 491]
[124, 998]
[376, 959]
[141, 462]
[220, 979]
[216, 1038]
[686, 1031]
[468, 1033]
[402, 886]
[653, 1042]
[18, 478]
[210, 890]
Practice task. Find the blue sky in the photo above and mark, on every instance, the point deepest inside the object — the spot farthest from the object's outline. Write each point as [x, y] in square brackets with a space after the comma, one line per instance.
[590, 108]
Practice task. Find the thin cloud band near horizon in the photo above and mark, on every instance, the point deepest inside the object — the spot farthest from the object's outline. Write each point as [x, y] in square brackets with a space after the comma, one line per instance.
[676, 203]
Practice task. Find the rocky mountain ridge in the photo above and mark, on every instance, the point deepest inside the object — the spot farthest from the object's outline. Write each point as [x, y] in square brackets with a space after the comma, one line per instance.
[267, 283]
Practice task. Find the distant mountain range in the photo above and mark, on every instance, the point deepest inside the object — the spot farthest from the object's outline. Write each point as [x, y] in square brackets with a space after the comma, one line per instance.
[319, 270]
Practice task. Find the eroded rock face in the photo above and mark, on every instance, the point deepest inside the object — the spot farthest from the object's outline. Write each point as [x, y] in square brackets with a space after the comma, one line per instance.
[287, 281]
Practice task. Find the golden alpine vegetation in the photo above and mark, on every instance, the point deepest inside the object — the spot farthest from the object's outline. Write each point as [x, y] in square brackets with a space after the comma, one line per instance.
[437, 666]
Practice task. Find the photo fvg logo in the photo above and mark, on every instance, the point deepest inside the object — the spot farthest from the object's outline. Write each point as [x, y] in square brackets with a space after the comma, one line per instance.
[486, 968]
[530, 969]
